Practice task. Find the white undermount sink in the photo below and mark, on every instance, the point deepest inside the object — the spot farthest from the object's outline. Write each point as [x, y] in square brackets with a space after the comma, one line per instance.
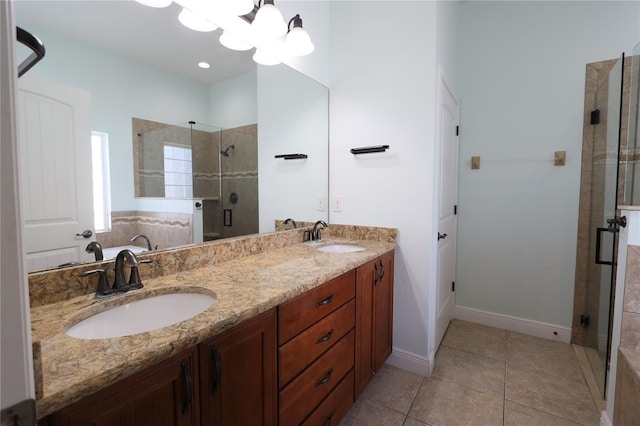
[142, 315]
[341, 248]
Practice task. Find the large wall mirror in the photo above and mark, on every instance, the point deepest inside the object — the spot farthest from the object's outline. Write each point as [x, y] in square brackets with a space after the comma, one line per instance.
[222, 131]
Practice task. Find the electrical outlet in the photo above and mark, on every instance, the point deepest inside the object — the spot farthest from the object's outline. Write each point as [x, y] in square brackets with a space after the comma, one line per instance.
[337, 203]
[321, 203]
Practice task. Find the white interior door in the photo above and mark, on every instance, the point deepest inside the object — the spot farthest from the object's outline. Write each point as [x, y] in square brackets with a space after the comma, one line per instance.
[16, 366]
[54, 134]
[447, 187]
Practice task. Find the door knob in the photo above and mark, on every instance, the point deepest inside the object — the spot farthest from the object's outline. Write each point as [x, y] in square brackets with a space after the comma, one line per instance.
[441, 236]
[85, 234]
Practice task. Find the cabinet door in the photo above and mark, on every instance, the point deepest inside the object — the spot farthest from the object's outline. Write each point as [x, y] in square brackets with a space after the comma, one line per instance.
[364, 330]
[238, 374]
[165, 394]
[383, 311]
[374, 318]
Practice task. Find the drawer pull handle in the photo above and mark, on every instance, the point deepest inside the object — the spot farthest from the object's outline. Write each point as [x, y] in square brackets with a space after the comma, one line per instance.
[325, 379]
[328, 423]
[325, 337]
[325, 301]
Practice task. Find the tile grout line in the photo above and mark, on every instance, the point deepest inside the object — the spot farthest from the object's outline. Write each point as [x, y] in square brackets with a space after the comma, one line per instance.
[413, 401]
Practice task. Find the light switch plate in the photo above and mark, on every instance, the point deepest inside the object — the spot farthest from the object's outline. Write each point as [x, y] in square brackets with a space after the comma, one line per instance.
[336, 203]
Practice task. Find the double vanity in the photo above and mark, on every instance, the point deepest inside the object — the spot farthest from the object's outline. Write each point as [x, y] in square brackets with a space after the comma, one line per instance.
[271, 330]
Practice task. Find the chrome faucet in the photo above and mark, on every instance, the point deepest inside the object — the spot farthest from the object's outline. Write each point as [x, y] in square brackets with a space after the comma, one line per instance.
[95, 248]
[289, 220]
[120, 284]
[315, 232]
[144, 237]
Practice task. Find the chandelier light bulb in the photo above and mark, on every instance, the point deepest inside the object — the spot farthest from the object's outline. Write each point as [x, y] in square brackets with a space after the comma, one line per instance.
[269, 22]
[263, 59]
[232, 42]
[237, 7]
[195, 22]
[155, 3]
[298, 42]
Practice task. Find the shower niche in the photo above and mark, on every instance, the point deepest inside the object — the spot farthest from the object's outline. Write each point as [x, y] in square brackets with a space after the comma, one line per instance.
[207, 168]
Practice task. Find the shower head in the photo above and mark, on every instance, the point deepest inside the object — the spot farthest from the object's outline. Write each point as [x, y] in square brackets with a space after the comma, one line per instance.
[225, 152]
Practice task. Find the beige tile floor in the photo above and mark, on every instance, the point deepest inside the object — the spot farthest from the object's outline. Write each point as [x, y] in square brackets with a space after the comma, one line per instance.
[482, 376]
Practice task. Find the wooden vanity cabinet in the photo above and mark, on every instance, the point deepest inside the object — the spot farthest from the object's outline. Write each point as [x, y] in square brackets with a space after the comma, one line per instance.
[304, 362]
[316, 353]
[164, 394]
[238, 383]
[374, 318]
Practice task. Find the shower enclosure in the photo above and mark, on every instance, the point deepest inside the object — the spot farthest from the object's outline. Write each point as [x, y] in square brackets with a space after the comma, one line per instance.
[602, 189]
[215, 168]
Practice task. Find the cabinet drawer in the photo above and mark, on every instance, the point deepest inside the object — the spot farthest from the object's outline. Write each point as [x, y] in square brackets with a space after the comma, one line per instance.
[335, 406]
[300, 312]
[295, 355]
[304, 393]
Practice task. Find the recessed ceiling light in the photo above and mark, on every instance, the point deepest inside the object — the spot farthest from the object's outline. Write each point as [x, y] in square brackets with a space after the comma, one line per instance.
[204, 65]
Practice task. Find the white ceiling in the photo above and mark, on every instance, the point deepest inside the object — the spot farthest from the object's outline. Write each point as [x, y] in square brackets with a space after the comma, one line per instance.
[148, 35]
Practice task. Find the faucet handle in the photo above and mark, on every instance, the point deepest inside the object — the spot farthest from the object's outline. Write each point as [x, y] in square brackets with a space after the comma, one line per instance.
[103, 289]
[134, 278]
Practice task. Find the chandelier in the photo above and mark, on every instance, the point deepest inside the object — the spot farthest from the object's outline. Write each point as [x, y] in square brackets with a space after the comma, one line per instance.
[245, 26]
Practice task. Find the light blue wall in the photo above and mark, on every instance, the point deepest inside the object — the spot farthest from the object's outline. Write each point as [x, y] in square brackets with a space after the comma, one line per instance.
[382, 81]
[447, 15]
[233, 102]
[521, 69]
[120, 89]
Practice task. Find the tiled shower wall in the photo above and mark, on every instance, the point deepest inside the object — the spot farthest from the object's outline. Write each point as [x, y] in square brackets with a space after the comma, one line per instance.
[587, 291]
[164, 230]
[215, 177]
[627, 409]
[240, 176]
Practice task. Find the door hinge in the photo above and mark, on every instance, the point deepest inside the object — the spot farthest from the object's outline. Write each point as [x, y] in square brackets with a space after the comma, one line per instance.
[455, 209]
[453, 286]
[457, 130]
[595, 116]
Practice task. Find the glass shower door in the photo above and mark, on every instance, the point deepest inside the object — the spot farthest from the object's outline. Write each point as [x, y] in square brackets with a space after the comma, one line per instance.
[606, 121]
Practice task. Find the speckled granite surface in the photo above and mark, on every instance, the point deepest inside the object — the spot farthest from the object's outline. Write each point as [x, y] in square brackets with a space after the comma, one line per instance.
[244, 286]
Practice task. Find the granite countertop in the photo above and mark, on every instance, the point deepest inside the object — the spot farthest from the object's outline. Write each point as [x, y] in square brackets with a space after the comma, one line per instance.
[74, 368]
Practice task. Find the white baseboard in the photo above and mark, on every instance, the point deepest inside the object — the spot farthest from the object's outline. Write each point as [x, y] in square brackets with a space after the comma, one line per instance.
[508, 322]
[410, 361]
[605, 420]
